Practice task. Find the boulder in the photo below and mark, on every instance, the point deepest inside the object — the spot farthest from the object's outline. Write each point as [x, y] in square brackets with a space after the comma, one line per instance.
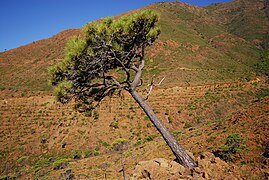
[209, 167]
[158, 168]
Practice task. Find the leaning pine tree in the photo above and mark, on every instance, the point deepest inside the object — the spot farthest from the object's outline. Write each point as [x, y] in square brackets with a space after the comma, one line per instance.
[110, 57]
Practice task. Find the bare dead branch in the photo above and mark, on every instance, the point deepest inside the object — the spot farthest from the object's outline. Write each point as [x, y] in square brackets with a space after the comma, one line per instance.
[151, 85]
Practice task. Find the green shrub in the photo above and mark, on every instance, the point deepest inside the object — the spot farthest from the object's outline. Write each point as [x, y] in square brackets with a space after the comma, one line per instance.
[60, 163]
[150, 138]
[2, 87]
[266, 150]
[9, 177]
[96, 115]
[170, 119]
[138, 142]
[21, 159]
[88, 153]
[262, 93]
[211, 139]
[77, 154]
[262, 67]
[176, 132]
[96, 153]
[146, 118]
[119, 144]
[105, 144]
[232, 147]
[114, 124]
[3, 177]
[187, 125]
[88, 113]
[42, 163]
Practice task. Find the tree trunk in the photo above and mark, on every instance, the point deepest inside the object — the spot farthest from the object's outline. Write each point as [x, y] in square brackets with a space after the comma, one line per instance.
[181, 155]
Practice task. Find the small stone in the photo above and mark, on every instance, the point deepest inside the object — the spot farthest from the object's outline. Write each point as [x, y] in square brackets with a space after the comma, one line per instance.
[162, 162]
[176, 168]
[146, 174]
[205, 175]
[207, 155]
[198, 170]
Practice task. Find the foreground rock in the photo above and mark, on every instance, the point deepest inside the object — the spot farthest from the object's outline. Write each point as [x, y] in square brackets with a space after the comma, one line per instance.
[209, 167]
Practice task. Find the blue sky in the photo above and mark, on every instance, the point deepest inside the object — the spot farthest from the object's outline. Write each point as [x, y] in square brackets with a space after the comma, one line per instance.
[25, 21]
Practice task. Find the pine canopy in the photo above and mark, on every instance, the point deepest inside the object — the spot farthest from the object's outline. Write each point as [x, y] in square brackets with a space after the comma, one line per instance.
[93, 65]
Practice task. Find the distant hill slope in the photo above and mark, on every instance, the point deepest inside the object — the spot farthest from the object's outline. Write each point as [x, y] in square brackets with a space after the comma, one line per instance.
[245, 18]
[198, 45]
[25, 68]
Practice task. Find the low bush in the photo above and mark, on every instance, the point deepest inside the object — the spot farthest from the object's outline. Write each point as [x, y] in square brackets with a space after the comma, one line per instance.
[60, 163]
[88, 153]
[176, 133]
[114, 124]
[119, 144]
[77, 154]
[266, 150]
[150, 138]
[232, 147]
[262, 93]
[105, 144]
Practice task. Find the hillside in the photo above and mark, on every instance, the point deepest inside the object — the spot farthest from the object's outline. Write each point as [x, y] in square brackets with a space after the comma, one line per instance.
[193, 40]
[24, 69]
[212, 92]
[36, 132]
[244, 18]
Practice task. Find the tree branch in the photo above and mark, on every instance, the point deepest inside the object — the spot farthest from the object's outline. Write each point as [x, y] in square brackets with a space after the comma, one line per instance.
[133, 67]
[138, 75]
[151, 85]
[117, 83]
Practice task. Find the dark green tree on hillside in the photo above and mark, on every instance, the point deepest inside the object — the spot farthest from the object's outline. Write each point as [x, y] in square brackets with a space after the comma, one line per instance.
[110, 57]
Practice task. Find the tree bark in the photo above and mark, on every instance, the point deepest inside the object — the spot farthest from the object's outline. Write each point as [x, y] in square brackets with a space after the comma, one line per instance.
[181, 155]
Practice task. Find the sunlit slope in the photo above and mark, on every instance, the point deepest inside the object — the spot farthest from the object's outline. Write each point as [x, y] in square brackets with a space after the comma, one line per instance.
[194, 47]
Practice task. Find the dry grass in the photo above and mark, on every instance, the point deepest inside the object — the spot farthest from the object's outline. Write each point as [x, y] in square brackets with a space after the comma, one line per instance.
[37, 127]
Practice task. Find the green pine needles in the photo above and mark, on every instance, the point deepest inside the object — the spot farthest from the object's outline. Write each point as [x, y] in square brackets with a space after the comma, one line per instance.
[93, 65]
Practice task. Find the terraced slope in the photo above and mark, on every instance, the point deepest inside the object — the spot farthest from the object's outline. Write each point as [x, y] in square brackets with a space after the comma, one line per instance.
[201, 117]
